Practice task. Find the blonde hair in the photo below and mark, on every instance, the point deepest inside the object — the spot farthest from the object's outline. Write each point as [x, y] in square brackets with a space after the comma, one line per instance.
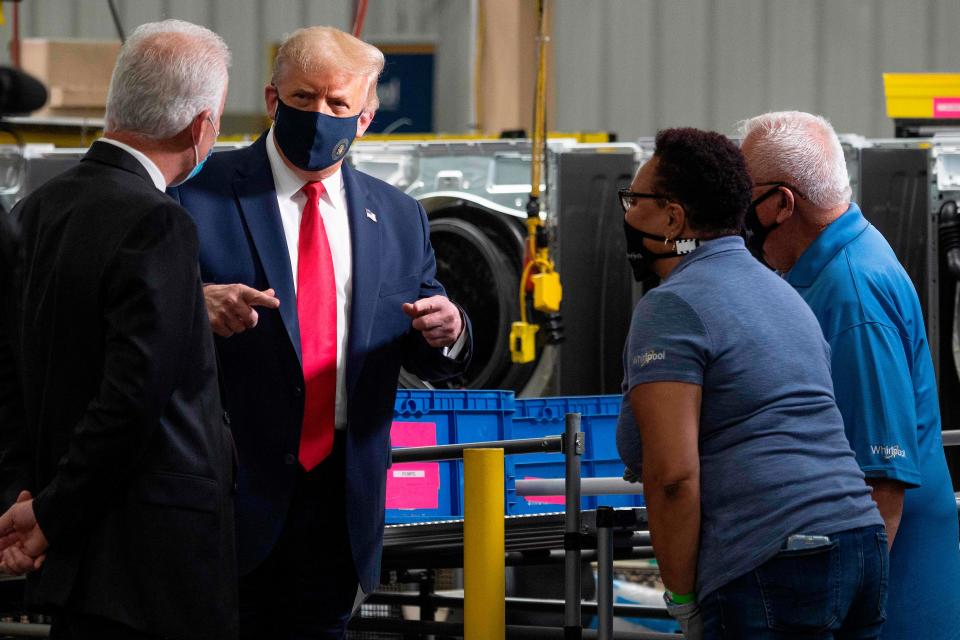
[322, 49]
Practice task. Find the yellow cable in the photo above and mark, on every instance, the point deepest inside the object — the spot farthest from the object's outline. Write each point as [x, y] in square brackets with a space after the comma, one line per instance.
[532, 224]
[523, 291]
[539, 101]
[539, 258]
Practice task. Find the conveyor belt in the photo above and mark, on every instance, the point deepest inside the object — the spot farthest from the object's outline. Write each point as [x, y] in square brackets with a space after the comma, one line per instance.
[440, 544]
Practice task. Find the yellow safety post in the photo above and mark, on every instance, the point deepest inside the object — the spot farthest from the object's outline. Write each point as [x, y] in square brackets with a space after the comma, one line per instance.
[483, 575]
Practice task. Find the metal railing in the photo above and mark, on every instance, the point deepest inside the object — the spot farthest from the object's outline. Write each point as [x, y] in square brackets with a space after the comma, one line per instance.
[571, 444]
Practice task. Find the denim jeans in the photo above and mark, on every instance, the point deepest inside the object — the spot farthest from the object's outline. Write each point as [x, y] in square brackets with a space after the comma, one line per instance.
[834, 591]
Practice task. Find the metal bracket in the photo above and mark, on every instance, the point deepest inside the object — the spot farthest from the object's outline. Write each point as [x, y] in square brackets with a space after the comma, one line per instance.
[577, 541]
[580, 446]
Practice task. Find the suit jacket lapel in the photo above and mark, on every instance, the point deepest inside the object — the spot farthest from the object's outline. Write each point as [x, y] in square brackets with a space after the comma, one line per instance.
[109, 154]
[365, 245]
[257, 199]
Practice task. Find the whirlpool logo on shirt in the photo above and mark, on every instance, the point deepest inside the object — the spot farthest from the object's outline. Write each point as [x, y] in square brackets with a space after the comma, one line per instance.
[647, 357]
[888, 451]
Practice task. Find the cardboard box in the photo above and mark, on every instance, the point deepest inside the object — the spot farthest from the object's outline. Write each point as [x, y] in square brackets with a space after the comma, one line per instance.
[76, 73]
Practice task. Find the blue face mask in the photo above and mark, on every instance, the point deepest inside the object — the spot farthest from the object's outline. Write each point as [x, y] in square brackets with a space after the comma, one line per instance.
[198, 163]
[312, 141]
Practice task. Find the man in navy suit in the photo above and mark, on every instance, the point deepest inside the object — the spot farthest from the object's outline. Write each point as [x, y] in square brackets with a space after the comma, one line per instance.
[320, 283]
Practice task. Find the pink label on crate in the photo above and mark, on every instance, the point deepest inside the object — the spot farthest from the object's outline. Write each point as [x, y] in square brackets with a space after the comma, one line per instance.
[543, 499]
[413, 485]
[946, 108]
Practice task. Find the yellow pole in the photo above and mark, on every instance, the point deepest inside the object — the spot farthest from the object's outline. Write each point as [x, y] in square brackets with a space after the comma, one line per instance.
[483, 574]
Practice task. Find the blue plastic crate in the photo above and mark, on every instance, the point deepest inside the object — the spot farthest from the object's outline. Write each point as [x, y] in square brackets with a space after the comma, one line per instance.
[559, 406]
[538, 417]
[520, 468]
[451, 417]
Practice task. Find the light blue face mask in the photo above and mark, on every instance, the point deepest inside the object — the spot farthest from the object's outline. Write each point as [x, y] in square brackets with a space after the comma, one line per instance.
[198, 163]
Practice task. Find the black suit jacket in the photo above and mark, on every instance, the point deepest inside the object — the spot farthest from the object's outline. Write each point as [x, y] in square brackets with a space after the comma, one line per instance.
[131, 463]
[11, 402]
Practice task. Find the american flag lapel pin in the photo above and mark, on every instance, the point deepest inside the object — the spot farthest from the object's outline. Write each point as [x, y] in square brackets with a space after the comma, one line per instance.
[371, 215]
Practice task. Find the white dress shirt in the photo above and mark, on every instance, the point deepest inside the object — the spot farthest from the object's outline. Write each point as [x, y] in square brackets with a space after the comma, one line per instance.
[333, 211]
[158, 180]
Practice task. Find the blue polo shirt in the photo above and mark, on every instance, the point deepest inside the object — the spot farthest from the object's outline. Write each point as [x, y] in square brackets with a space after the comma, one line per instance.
[885, 387]
[773, 457]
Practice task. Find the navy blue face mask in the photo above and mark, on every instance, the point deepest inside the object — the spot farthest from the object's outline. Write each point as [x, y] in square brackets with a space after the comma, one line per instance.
[312, 141]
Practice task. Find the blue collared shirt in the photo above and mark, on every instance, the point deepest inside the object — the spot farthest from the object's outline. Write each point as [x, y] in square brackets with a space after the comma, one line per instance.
[886, 389]
[882, 371]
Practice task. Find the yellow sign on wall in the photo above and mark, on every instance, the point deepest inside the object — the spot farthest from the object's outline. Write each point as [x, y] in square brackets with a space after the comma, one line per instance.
[922, 95]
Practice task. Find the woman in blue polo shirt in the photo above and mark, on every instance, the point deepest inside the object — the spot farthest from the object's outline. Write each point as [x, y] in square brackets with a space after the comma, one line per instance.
[759, 516]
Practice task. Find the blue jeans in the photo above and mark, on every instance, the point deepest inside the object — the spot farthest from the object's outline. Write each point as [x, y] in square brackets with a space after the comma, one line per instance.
[835, 591]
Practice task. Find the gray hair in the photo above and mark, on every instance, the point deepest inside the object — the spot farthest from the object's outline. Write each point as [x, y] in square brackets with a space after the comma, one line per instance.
[322, 49]
[802, 149]
[167, 73]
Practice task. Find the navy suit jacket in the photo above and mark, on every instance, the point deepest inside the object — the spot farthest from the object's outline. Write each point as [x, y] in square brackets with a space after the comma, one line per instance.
[234, 204]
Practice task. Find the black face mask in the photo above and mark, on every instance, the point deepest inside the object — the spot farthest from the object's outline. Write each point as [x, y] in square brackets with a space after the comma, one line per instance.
[754, 233]
[641, 258]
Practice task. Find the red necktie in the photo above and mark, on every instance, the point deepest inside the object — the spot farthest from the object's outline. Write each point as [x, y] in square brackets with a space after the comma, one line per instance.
[317, 312]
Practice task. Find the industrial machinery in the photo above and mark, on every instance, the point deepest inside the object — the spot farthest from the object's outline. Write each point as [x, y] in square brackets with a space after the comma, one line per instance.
[475, 194]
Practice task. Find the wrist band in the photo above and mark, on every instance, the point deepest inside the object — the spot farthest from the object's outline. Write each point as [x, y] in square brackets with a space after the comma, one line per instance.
[676, 598]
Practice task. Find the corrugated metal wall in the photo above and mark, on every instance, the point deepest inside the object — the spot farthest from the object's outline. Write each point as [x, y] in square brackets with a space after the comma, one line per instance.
[634, 66]
[630, 66]
[251, 27]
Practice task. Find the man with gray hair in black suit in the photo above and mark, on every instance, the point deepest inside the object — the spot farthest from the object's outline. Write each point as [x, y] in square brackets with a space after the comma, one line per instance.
[124, 517]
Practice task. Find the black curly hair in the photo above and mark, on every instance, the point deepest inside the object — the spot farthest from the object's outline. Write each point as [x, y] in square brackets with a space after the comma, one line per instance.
[705, 172]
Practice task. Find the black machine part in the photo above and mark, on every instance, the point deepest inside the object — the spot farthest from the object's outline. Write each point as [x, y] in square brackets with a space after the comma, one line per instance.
[479, 255]
[597, 282]
[950, 237]
[949, 231]
[895, 198]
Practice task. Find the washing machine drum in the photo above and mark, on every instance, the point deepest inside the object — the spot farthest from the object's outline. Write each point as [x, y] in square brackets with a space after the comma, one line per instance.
[478, 261]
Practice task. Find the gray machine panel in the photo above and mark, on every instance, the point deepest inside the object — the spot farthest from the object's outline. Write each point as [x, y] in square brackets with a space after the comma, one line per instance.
[597, 281]
[899, 197]
[893, 196]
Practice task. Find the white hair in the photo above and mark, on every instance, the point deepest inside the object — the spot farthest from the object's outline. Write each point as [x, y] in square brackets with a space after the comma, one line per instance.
[167, 73]
[802, 149]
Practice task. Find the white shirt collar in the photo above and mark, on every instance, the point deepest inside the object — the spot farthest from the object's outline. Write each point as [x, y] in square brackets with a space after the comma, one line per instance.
[155, 175]
[286, 182]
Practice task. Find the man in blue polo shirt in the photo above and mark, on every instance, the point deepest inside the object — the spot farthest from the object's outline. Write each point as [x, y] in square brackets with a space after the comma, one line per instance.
[803, 224]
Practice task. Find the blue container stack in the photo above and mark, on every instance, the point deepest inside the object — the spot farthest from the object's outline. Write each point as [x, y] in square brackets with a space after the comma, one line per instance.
[459, 417]
[537, 417]
[476, 416]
